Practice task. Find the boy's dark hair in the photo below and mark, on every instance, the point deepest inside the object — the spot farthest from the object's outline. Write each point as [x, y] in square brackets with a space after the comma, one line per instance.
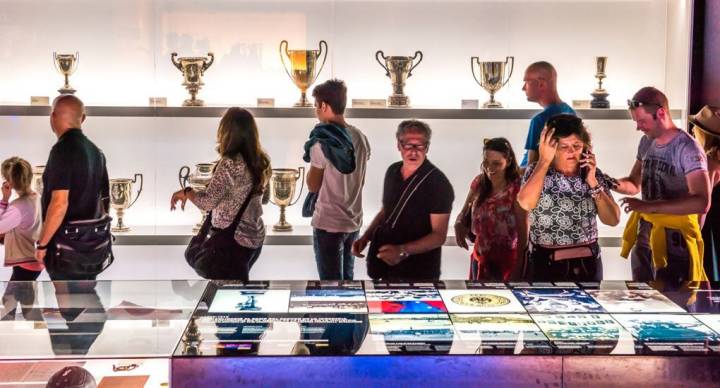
[332, 92]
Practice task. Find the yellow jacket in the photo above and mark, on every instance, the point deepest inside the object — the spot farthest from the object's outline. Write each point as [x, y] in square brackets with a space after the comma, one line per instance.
[688, 225]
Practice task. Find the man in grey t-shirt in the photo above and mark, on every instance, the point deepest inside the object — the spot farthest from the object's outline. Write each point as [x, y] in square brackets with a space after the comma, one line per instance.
[671, 172]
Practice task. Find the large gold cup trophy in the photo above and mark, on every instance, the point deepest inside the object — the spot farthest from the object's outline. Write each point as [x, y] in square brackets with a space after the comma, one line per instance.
[66, 64]
[303, 67]
[193, 68]
[282, 191]
[121, 198]
[398, 69]
[491, 77]
[198, 180]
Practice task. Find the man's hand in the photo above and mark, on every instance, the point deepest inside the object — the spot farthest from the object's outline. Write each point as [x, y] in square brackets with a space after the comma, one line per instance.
[629, 204]
[40, 255]
[390, 254]
[359, 245]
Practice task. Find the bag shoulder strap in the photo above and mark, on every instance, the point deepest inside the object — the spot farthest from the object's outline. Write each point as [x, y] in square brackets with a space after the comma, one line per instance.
[410, 189]
[240, 212]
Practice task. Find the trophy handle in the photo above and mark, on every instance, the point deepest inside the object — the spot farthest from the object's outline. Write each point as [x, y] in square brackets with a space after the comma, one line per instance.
[135, 179]
[207, 64]
[324, 54]
[55, 61]
[282, 58]
[472, 69]
[77, 59]
[301, 170]
[512, 65]
[175, 62]
[183, 177]
[380, 54]
[416, 64]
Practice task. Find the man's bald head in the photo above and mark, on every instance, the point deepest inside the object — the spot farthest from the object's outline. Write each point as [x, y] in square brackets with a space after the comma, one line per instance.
[68, 112]
[545, 71]
[540, 83]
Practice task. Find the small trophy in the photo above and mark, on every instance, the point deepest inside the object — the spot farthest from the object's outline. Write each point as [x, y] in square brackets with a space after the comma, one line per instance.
[399, 69]
[66, 64]
[193, 68]
[492, 77]
[600, 95]
[282, 190]
[303, 64]
[121, 193]
[37, 183]
[198, 180]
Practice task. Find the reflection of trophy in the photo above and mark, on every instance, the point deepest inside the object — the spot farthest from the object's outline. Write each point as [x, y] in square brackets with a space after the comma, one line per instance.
[398, 69]
[492, 77]
[303, 65]
[66, 64]
[198, 180]
[121, 198]
[193, 69]
[282, 190]
[192, 339]
[37, 183]
[600, 95]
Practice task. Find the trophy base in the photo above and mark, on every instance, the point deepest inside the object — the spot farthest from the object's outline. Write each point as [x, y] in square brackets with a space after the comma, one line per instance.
[282, 227]
[120, 229]
[492, 104]
[193, 103]
[67, 91]
[398, 101]
[302, 104]
[599, 100]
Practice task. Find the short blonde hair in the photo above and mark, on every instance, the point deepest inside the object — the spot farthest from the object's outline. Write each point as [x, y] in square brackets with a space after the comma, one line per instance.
[19, 173]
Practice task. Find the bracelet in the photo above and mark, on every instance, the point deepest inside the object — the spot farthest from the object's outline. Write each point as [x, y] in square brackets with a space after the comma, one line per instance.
[595, 191]
[186, 190]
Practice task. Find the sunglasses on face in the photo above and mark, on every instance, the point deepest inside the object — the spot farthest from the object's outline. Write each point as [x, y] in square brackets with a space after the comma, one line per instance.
[417, 147]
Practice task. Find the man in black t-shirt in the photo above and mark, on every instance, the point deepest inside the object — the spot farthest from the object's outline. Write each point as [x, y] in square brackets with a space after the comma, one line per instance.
[407, 234]
[75, 181]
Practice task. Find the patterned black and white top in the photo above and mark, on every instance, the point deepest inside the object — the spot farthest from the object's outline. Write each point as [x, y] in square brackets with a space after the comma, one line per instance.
[565, 213]
[230, 185]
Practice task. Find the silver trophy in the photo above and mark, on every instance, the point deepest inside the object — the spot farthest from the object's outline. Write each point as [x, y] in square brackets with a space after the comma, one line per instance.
[193, 68]
[198, 180]
[491, 77]
[66, 64]
[121, 198]
[600, 95]
[37, 182]
[399, 69]
[282, 191]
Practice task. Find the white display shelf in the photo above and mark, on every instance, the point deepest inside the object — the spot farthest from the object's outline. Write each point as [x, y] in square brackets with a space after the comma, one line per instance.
[300, 235]
[360, 113]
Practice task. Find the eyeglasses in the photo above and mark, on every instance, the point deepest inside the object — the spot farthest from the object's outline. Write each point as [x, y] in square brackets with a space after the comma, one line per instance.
[418, 147]
[632, 104]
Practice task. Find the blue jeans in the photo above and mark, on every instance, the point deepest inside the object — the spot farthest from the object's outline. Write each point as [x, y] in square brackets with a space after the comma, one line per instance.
[333, 254]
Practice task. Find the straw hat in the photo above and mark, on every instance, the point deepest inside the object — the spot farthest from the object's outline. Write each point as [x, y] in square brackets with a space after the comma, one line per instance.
[708, 119]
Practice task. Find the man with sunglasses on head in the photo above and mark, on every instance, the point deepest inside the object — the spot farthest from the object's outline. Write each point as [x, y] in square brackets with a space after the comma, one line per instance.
[407, 235]
[671, 172]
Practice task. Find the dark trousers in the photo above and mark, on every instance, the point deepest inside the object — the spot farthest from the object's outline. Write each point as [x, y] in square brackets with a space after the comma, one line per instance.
[545, 269]
[21, 291]
[57, 273]
[237, 266]
[643, 270]
[333, 254]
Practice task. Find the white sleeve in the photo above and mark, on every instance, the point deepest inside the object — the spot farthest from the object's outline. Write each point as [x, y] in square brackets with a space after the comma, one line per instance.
[317, 156]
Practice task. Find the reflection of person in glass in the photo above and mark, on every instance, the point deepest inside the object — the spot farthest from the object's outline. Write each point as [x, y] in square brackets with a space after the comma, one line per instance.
[83, 314]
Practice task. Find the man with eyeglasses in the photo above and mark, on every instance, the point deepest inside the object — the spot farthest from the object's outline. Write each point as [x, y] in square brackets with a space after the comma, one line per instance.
[671, 172]
[540, 85]
[407, 235]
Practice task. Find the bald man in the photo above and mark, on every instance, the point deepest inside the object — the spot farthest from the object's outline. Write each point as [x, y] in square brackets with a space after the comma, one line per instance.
[75, 182]
[540, 85]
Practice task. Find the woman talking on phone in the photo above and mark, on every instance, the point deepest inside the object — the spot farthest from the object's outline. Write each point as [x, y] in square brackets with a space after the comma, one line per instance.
[565, 192]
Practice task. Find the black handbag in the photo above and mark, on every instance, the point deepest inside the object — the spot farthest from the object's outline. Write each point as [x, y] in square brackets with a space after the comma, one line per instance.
[83, 248]
[211, 247]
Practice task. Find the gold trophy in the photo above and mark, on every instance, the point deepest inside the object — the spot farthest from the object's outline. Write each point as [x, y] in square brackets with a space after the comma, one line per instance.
[198, 180]
[66, 64]
[600, 95]
[121, 193]
[492, 77]
[303, 64]
[399, 69]
[37, 183]
[282, 190]
[193, 68]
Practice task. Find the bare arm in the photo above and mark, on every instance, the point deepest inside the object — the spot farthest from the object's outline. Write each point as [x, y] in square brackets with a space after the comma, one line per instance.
[439, 222]
[314, 179]
[608, 210]
[630, 185]
[360, 244]
[696, 202]
[461, 230]
[532, 157]
[529, 193]
[55, 215]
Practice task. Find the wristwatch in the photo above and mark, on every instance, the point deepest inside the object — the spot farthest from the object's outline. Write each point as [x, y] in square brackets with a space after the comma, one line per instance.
[403, 252]
[39, 246]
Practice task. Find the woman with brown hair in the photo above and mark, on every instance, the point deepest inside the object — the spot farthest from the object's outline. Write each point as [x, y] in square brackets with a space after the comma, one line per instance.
[493, 216]
[237, 185]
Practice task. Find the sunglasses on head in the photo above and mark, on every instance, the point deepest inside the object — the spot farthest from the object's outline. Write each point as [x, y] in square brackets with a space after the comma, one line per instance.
[632, 104]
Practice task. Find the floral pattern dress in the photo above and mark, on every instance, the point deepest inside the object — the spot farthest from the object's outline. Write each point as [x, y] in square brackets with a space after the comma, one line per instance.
[496, 229]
